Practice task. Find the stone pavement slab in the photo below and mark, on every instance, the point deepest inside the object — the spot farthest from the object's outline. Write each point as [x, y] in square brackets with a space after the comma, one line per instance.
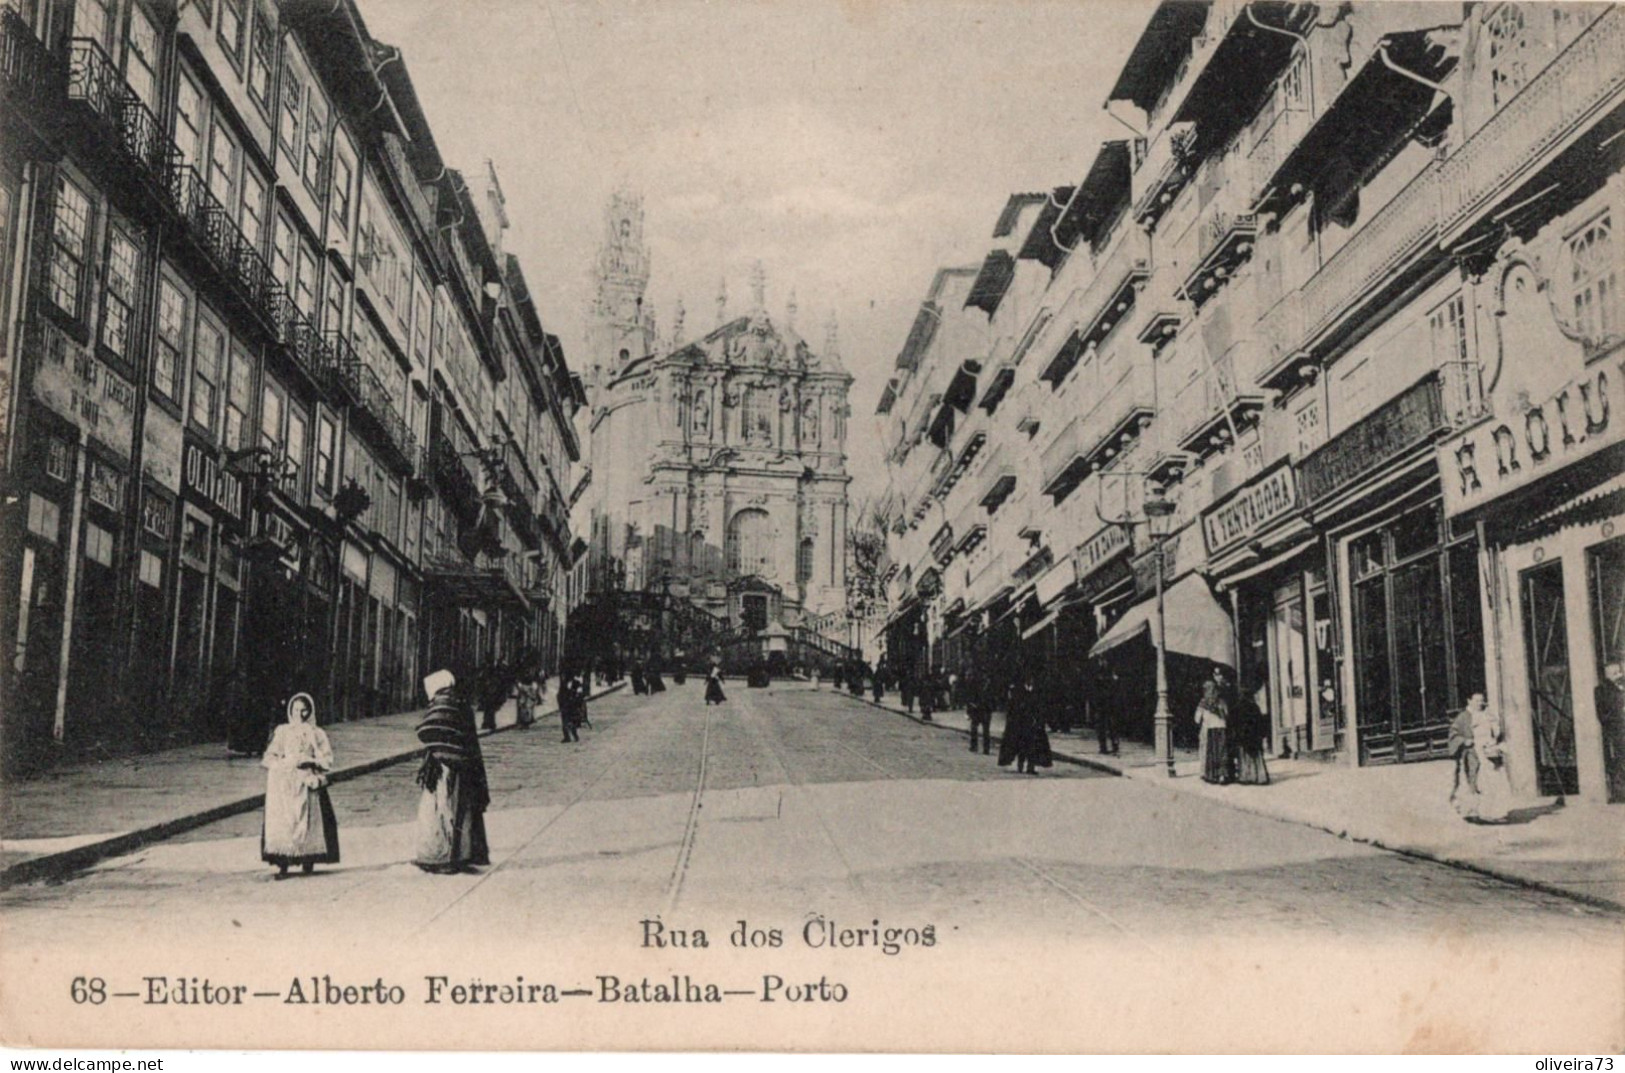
[1576, 849]
[73, 815]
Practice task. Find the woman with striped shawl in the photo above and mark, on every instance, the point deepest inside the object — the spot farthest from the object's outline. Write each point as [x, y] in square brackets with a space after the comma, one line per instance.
[451, 812]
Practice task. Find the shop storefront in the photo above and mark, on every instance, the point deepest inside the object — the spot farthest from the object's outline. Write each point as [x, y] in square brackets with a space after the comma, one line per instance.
[1542, 481]
[1264, 555]
[1407, 590]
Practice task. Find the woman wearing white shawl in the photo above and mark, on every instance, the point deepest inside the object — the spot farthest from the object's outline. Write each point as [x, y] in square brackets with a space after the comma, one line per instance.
[299, 826]
[1489, 743]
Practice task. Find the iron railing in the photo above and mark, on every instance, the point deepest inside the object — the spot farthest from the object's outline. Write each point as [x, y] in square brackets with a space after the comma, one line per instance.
[29, 73]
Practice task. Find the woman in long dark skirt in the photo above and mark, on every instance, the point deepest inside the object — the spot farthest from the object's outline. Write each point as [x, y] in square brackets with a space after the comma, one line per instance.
[713, 687]
[1249, 729]
[451, 812]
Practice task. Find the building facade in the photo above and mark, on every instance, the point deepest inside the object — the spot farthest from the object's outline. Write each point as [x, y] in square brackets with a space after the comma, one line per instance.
[1343, 300]
[277, 411]
[718, 461]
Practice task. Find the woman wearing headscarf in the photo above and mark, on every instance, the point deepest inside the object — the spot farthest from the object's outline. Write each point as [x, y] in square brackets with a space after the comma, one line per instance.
[299, 826]
[1489, 743]
[451, 812]
[713, 686]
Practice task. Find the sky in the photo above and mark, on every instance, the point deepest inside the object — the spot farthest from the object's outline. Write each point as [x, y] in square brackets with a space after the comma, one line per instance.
[851, 146]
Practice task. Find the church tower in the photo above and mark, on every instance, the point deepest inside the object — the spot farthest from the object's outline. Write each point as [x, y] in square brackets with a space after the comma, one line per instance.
[620, 326]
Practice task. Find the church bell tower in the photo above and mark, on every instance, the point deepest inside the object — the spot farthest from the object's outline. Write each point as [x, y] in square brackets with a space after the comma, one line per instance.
[620, 325]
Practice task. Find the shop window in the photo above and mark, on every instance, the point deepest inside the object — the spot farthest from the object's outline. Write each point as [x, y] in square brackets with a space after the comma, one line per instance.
[105, 485]
[118, 290]
[262, 57]
[195, 539]
[98, 545]
[157, 515]
[151, 570]
[209, 360]
[231, 28]
[58, 459]
[1366, 555]
[70, 246]
[1594, 280]
[1416, 532]
[168, 356]
[44, 518]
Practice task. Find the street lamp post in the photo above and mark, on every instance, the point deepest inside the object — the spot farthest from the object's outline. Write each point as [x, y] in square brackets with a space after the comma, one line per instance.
[1157, 510]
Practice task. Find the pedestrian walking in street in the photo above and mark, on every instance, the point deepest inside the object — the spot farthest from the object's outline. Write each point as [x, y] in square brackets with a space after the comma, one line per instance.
[1026, 742]
[905, 689]
[1464, 783]
[451, 811]
[1212, 711]
[1489, 743]
[1104, 709]
[1610, 698]
[928, 696]
[495, 686]
[656, 683]
[979, 707]
[713, 686]
[1249, 732]
[878, 681]
[640, 685]
[299, 826]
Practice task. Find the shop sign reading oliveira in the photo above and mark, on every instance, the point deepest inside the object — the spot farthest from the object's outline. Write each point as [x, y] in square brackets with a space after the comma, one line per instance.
[1499, 456]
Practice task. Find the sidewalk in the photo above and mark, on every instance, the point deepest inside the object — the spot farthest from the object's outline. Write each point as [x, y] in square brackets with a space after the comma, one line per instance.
[1577, 850]
[119, 805]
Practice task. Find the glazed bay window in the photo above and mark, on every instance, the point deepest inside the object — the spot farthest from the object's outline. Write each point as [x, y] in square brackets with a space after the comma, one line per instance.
[209, 362]
[169, 354]
[70, 247]
[118, 289]
[1594, 280]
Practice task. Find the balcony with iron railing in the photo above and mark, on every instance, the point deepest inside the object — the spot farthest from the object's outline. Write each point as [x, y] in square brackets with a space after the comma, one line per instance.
[238, 263]
[1226, 230]
[121, 120]
[1369, 267]
[1206, 414]
[1543, 120]
[375, 412]
[30, 75]
[453, 477]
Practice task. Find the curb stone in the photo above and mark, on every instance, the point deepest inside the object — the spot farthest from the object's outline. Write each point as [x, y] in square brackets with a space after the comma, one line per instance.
[58, 867]
[1595, 901]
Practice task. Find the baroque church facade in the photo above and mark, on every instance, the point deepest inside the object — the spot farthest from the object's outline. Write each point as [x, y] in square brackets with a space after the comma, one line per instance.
[718, 461]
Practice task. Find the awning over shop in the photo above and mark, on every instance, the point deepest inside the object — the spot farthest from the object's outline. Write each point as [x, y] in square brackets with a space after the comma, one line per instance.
[1195, 624]
[467, 585]
[1602, 501]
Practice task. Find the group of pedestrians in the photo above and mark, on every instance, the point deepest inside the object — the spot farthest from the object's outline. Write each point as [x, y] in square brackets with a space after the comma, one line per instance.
[299, 827]
[1231, 734]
